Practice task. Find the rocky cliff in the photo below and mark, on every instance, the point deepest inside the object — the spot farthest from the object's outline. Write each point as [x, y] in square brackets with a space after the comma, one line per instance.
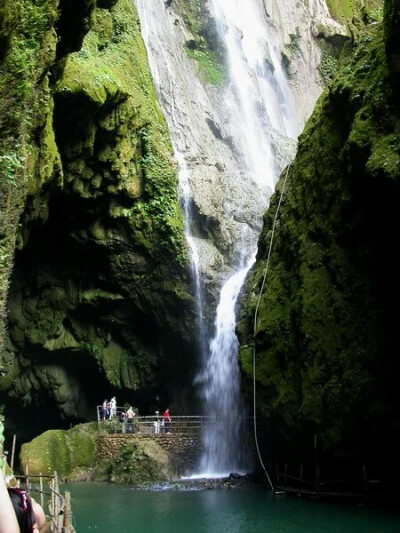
[325, 342]
[93, 256]
[189, 64]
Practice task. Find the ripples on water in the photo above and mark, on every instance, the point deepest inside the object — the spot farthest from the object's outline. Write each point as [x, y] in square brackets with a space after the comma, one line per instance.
[106, 508]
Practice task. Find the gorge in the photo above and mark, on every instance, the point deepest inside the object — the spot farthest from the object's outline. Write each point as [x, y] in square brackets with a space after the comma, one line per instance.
[98, 233]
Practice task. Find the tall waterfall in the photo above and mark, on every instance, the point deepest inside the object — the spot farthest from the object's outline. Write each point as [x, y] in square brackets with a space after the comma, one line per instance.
[254, 111]
[257, 98]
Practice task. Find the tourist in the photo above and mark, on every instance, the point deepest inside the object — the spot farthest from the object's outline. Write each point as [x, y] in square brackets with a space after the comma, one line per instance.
[113, 407]
[30, 515]
[106, 412]
[130, 415]
[122, 419]
[157, 423]
[8, 519]
[109, 410]
[166, 420]
[19, 513]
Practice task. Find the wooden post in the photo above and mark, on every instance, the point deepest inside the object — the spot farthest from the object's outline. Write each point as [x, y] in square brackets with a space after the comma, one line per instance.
[56, 502]
[27, 477]
[277, 473]
[365, 480]
[41, 488]
[13, 452]
[67, 513]
[317, 480]
[316, 467]
[285, 476]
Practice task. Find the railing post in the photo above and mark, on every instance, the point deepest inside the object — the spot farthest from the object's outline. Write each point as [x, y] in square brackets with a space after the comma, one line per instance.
[317, 480]
[67, 513]
[365, 480]
[13, 452]
[41, 488]
[27, 477]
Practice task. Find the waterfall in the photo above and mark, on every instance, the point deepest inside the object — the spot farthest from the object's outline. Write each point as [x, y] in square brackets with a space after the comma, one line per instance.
[254, 112]
[257, 98]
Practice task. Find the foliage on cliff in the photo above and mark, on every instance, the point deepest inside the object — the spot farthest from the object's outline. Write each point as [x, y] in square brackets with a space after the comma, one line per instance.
[326, 340]
[99, 299]
[26, 52]
[348, 11]
[205, 46]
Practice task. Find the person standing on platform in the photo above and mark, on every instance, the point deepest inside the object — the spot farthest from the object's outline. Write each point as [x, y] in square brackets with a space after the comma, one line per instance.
[113, 409]
[166, 420]
[130, 415]
[157, 423]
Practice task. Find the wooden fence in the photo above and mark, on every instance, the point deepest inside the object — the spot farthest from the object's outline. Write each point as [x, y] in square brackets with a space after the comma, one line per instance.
[293, 480]
[45, 489]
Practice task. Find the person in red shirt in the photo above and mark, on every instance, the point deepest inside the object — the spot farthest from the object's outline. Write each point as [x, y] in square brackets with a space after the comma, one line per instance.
[166, 420]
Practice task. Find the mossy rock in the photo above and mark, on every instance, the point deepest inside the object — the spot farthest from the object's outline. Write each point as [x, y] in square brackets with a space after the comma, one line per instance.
[325, 339]
[62, 451]
[100, 297]
[139, 461]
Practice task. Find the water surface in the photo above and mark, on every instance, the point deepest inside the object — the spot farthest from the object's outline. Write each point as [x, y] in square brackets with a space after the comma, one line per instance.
[119, 509]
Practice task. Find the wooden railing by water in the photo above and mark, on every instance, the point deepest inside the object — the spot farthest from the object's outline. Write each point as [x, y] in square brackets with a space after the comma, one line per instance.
[57, 506]
[293, 480]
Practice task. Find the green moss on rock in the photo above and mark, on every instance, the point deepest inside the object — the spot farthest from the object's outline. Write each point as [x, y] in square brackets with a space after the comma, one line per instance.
[100, 302]
[140, 461]
[60, 451]
[325, 338]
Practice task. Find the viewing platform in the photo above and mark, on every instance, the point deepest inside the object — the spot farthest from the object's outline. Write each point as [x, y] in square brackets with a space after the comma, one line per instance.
[151, 425]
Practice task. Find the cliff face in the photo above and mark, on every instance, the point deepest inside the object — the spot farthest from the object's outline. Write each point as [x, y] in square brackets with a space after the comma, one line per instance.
[190, 65]
[98, 300]
[326, 339]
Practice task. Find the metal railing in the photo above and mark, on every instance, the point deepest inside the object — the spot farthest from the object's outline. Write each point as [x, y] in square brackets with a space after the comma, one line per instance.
[150, 425]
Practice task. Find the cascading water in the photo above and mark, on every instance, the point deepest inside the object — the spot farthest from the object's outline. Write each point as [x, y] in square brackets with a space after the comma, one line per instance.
[184, 194]
[256, 116]
[258, 102]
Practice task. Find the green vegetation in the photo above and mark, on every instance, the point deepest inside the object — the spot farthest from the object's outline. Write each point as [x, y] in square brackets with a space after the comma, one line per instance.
[347, 11]
[290, 50]
[340, 9]
[213, 73]
[139, 461]
[75, 454]
[327, 67]
[206, 46]
[64, 452]
[26, 49]
[325, 340]
[91, 211]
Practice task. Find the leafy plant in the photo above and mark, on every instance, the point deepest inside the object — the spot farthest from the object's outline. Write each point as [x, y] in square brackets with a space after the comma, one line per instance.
[205, 47]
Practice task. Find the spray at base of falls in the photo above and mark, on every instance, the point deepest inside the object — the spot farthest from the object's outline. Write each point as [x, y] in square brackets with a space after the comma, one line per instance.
[221, 388]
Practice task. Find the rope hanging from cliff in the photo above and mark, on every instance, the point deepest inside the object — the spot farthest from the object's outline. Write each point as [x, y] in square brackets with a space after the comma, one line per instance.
[255, 330]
